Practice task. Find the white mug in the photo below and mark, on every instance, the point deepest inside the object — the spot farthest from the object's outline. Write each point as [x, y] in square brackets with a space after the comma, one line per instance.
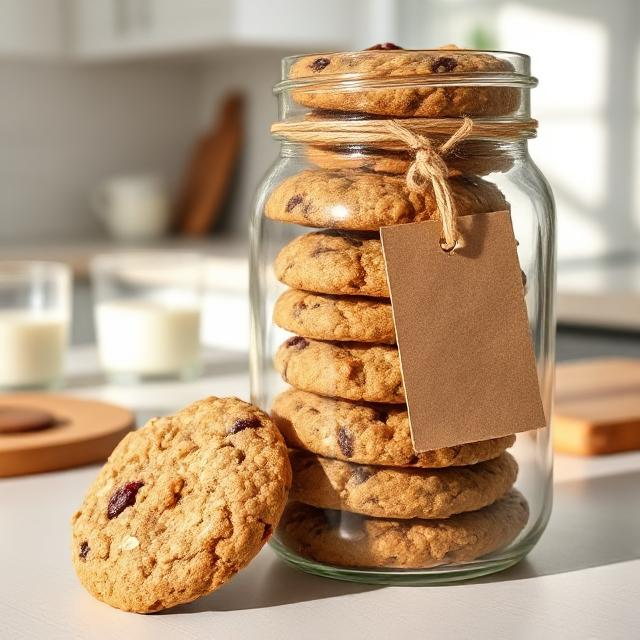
[133, 207]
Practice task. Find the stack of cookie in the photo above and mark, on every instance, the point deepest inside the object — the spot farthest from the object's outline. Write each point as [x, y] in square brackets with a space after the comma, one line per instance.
[361, 496]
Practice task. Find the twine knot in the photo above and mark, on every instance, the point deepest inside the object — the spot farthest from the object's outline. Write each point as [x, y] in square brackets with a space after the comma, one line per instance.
[428, 166]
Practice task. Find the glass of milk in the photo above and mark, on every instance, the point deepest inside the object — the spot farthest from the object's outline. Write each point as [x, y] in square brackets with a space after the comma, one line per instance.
[147, 314]
[35, 302]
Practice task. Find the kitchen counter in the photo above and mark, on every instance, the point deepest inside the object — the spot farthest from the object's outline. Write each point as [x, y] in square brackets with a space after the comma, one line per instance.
[581, 581]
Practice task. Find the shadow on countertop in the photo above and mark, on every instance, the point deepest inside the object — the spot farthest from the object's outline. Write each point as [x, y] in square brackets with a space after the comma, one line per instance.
[594, 522]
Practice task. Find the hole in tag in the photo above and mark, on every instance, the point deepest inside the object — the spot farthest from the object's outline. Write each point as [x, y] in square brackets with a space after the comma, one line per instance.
[446, 248]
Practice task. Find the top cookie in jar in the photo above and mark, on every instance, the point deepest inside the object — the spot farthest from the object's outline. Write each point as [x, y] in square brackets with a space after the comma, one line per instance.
[390, 81]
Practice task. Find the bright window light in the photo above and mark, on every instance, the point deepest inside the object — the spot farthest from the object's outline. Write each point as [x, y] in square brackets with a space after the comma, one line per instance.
[559, 44]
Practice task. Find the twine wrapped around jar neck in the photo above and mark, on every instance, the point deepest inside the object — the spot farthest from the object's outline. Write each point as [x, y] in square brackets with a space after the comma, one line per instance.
[428, 166]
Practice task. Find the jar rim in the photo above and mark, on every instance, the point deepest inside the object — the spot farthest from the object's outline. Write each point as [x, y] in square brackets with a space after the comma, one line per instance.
[517, 76]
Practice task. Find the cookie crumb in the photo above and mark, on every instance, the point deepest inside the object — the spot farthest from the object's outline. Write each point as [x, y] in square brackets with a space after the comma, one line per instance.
[129, 543]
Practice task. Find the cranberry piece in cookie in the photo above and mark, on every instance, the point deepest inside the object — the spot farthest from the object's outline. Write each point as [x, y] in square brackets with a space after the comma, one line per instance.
[443, 65]
[320, 63]
[244, 423]
[84, 550]
[385, 46]
[345, 442]
[294, 201]
[124, 497]
[297, 342]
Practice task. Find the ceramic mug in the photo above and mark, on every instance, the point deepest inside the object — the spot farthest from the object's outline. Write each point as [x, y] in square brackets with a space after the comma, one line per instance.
[133, 207]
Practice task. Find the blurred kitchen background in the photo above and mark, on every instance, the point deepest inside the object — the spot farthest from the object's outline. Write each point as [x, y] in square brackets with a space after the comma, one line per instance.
[98, 89]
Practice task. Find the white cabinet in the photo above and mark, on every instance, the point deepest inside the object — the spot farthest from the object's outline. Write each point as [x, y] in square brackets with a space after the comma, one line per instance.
[107, 29]
[32, 28]
[126, 28]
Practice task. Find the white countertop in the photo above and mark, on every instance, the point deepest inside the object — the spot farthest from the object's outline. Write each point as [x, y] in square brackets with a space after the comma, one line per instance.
[581, 581]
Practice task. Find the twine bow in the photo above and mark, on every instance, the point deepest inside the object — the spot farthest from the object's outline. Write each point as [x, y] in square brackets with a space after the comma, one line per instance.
[429, 166]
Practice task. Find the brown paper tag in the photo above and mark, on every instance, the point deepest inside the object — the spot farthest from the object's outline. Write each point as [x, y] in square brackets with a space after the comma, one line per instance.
[461, 322]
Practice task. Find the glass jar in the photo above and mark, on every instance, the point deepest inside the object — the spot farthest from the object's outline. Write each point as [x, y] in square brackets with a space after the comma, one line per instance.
[364, 506]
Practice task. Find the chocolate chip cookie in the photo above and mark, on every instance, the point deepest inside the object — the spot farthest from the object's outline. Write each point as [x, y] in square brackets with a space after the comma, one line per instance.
[325, 317]
[364, 201]
[335, 262]
[389, 492]
[470, 157]
[351, 540]
[181, 505]
[367, 434]
[350, 370]
[432, 97]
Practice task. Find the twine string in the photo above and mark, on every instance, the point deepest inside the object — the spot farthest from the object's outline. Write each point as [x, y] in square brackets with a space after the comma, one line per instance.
[428, 166]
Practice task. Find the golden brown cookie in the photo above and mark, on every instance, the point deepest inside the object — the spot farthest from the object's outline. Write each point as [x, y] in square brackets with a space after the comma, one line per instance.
[181, 505]
[469, 157]
[336, 262]
[349, 370]
[367, 434]
[332, 261]
[325, 317]
[423, 99]
[390, 492]
[350, 540]
[364, 201]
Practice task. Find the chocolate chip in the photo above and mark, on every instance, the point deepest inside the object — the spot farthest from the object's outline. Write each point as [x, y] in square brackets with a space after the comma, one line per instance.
[336, 233]
[84, 550]
[443, 65]
[385, 46]
[345, 442]
[244, 423]
[268, 530]
[294, 201]
[124, 497]
[297, 342]
[414, 102]
[320, 250]
[361, 474]
[319, 64]
[382, 416]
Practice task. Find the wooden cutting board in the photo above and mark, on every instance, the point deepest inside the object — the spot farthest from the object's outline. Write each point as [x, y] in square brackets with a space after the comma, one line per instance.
[597, 408]
[210, 170]
[80, 432]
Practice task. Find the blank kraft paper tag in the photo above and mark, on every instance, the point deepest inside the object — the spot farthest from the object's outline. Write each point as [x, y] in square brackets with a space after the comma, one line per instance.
[467, 358]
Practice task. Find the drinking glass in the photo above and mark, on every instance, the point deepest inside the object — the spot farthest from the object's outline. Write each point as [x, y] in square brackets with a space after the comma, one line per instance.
[147, 309]
[34, 323]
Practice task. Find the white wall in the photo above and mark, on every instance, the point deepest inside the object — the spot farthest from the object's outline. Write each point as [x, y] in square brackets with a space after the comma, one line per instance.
[586, 54]
[63, 128]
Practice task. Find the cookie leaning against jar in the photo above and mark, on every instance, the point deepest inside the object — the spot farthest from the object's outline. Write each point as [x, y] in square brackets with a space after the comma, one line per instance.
[181, 505]
[363, 201]
[374, 434]
[392, 492]
[423, 99]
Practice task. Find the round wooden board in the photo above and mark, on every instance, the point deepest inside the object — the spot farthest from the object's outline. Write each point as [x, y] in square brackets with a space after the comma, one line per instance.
[85, 431]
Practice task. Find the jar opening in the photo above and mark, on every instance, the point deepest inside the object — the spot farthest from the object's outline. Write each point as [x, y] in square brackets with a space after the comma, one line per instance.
[411, 68]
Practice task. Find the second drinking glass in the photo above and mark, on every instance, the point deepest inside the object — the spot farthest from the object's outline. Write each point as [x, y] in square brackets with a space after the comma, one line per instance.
[147, 315]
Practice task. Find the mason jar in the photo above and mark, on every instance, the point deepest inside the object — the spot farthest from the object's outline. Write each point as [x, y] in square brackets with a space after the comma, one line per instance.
[364, 505]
